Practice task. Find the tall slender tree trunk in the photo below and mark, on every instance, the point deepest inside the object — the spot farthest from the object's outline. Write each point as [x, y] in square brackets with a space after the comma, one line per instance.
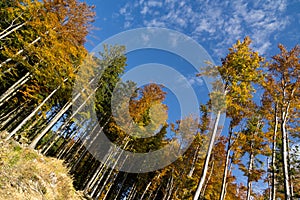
[12, 117]
[121, 187]
[289, 165]
[225, 171]
[64, 149]
[171, 188]
[92, 179]
[195, 158]
[156, 193]
[2, 35]
[284, 150]
[111, 171]
[51, 124]
[58, 116]
[273, 182]
[208, 154]
[85, 150]
[8, 114]
[250, 169]
[146, 189]
[8, 93]
[32, 114]
[285, 160]
[208, 178]
[21, 51]
[103, 166]
[13, 25]
[132, 191]
[269, 180]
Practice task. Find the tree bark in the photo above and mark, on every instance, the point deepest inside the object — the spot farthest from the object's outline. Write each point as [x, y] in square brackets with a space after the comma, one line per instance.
[285, 159]
[2, 35]
[8, 93]
[209, 177]
[144, 193]
[111, 171]
[225, 172]
[31, 114]
[284, 150]
[250, 169]
[273, 183]
[195, 158]
[208, 154]
[21, 51]
[50, 125]
[121, 187]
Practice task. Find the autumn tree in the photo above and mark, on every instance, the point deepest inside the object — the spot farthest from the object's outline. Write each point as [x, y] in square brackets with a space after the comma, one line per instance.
[237, 74]
[52, 56]
[282, 87]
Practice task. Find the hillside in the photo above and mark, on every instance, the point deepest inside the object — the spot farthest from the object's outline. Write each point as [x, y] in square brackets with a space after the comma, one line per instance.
[26, 174]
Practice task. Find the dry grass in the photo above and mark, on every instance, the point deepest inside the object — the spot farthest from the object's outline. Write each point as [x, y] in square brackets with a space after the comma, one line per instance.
[25, 174]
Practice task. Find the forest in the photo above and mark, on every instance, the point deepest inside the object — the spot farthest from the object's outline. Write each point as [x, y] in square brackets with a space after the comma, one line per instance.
[41, 52]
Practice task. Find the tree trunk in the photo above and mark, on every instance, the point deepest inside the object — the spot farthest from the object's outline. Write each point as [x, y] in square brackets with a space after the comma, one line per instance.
[6, 115]
[58, 116]
[225, 172]
[250, 169]
[2, 35]
[31, 114]
[110, 173]
[132, 192]
[12, 24]
[21, 51]
[273, 183]
[11, 117]
[208, 154]
[50, 125]
[121, 187]
[195, 158]
[96, 173]
[85, 150]
[54, 120]
[156, 193]
[144, 193]
[285, 160]
[269, 180]
[64, 147]
[171, 189]
[169, 186]
[13, 88]
[209, 177]
[284, 151]
[68, 121]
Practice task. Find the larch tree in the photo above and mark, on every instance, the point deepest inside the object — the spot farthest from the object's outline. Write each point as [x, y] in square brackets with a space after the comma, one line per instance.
[284, 75]
[52, 53]
[238, 72]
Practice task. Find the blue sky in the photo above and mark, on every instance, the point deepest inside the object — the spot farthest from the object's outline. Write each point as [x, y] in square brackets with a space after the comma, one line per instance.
[215, 25]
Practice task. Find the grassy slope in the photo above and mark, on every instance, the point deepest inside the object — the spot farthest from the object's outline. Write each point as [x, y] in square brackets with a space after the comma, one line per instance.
[25, 174]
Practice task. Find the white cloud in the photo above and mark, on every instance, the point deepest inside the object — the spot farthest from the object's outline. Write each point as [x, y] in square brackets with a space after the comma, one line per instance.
[173, 39]
[123, 11]
[154, 23]
[145, 10]
[127, 24]
[220, 23]
[155, 3]
[188, 81]
[195, 81]
[145, 38]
